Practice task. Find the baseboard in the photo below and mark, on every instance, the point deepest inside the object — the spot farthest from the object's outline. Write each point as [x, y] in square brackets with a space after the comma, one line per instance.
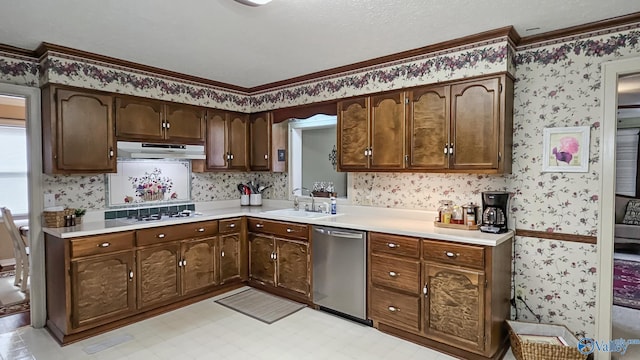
[4, 263]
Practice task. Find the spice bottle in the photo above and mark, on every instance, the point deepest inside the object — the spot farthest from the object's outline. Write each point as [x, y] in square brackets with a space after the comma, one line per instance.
[445, 216]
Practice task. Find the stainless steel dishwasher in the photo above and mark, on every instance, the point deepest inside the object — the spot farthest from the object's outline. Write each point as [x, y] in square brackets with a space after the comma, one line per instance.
[339, 271]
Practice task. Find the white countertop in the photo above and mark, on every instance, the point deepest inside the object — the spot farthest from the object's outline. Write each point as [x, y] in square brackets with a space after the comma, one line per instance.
[415, 223]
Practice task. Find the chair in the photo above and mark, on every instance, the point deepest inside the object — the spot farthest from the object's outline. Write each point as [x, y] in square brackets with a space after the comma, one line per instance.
[20, 250]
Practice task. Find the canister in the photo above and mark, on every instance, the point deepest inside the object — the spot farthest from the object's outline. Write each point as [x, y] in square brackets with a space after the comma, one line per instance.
[470, 214]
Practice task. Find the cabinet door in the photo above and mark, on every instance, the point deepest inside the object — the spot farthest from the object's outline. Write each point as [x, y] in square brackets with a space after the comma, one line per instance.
[387, 131]
[158, 275]
[262, 266]
[230, 258]
[198, 264]
[185, 124]
[102, 289]
[292, 259]
[475, 119]
[238, 141]
[138, 119]
[428, 128]
[260, 142]
[85, 141]
[216, 143]
[454, 306]
[353, 134]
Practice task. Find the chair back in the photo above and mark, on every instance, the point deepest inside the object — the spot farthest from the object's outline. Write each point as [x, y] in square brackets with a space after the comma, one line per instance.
[18, 243]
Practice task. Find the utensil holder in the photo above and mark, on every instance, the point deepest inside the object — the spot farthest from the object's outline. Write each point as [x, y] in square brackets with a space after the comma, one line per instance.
[255, 199]
[244, 200]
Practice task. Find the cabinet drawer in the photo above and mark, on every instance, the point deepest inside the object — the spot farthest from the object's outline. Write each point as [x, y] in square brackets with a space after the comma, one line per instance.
[176, 232]
[278, 228]
[456, 254]
[230, 225]
[395, 309]
[101, 244]
[396, 273]
[393, 244]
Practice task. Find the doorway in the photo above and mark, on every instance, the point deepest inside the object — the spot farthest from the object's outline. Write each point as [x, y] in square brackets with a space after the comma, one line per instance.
[611, 71]
[35, 202]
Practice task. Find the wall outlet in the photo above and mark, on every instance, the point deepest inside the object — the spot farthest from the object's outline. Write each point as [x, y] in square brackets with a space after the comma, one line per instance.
[49, 200]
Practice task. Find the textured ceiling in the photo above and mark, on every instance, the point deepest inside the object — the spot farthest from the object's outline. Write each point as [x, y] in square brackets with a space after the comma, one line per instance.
[225, 41]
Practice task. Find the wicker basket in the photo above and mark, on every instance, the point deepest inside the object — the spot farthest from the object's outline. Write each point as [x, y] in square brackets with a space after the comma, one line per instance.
[55, 219]
[525, 350]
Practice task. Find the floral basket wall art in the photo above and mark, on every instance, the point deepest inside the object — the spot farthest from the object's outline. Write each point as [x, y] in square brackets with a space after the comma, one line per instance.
[152, 186]
[566, 149]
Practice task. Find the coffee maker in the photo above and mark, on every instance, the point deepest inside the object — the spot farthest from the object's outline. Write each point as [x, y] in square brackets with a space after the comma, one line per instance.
[495, 205]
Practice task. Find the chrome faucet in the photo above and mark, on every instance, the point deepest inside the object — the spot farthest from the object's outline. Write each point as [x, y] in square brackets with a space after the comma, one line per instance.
[296, 203]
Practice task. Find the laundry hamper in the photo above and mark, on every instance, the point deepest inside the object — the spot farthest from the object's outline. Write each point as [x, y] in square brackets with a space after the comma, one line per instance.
[524, 347]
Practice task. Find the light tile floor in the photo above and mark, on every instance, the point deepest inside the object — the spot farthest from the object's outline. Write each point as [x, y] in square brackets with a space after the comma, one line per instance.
[206, 330]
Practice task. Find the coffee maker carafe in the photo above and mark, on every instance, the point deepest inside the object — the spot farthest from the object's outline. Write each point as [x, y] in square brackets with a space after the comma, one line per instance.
[494, 211]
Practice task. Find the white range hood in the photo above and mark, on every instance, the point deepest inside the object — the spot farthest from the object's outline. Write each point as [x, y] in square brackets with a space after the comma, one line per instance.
[139, 150]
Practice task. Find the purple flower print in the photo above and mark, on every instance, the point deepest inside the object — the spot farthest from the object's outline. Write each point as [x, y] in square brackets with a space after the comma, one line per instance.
[569, 146]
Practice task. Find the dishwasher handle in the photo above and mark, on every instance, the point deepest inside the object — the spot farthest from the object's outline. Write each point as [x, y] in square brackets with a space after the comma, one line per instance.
[340, 234]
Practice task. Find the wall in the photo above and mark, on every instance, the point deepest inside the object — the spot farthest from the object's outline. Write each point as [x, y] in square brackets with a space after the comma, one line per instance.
[316, 147]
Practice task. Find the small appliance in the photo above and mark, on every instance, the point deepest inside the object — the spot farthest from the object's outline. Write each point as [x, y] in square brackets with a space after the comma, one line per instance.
[495, 205]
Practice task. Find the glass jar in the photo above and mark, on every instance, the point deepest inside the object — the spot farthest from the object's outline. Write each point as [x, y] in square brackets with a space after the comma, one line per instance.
[456, 215]
[445, 211]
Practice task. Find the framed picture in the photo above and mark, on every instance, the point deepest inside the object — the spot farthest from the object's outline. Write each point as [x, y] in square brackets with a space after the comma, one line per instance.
[566, 149]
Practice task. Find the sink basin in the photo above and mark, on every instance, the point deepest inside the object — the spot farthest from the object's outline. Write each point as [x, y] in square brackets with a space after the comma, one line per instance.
[297, 213]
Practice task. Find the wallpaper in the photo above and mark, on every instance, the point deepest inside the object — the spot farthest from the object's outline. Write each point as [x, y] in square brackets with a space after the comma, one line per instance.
[18, 70]
[74, 71]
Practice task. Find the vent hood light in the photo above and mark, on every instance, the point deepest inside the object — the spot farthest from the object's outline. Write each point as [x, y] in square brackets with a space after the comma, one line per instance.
[254, 2]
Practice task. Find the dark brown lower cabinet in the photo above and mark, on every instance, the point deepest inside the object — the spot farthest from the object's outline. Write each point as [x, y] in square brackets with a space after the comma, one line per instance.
[103, 288]
[198, 264]
[230, 258]
[262, 266]
[449, 296]
[292, 266]
[158, 275]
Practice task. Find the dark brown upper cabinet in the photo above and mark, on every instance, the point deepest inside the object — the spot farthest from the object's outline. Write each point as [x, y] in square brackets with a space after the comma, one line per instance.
[260, 141]
[77, 131]
[156, 121]
[353, 134]
[428, 128]
[227, 141]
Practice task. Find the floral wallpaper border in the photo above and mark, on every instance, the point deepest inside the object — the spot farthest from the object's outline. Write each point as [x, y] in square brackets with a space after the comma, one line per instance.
[18, 70]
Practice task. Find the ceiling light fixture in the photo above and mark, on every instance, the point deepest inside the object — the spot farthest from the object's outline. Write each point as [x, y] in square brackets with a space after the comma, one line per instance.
[254, 2]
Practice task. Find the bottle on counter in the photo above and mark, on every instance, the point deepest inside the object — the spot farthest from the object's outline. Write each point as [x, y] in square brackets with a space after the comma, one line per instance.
[334, 206]
[470, 214]
[456, 215]
[445, 212]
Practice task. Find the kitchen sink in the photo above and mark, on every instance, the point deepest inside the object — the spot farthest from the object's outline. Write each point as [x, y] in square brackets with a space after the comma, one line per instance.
[297, 213]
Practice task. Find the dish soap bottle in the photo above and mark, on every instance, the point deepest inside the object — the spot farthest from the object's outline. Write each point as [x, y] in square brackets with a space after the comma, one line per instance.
[334, 206]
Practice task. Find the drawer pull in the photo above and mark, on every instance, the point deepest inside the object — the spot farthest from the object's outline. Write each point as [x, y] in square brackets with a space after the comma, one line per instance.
[259, 225]
[160, 236]
[289, 230]
[393, 309]
[392, 245]
[231, 226]
[200, 230]
[393, 273]
[451, 255]
[104, 245]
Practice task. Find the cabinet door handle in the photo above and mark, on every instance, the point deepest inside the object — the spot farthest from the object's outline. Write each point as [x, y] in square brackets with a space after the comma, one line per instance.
[266, 156]
[168, 125]
[231, 157]
[275, 256]
[392, 245]
[231, 226]
[164, 125]
[180, 263]
[393, 273]
[111, 153]
[425, 290]
[446, 149]
[160, 236]
[222, 253]
[393, 309]
[370, 151]
[451, 255]
[184, 262]
[104, 244]
[259, 226]
[450, 148]
[200, 230]
[366, 152]
[130, 275]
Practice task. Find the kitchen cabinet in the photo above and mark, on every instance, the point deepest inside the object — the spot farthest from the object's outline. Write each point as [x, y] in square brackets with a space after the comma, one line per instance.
[77, 131]
[227, 141]
[260, 141]
[156, 121]
[174, 261]
[450, 296]
[90, 281]
[232, 251]
[279, 256]
[371, 132]
[428, 128]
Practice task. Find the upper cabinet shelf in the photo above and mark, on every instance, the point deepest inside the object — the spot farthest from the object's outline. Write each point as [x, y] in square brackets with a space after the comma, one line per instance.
[465, 126]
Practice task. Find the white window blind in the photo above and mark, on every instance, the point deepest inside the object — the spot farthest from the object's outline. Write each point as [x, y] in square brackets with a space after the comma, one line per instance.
[626, 161]
[13, 169]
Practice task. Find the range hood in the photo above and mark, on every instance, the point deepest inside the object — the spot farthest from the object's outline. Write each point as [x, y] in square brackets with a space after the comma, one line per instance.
[139, 150]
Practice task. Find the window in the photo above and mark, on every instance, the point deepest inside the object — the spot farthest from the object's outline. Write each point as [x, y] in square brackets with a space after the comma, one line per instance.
[626, 161]
[13, 169]
[312, 156]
